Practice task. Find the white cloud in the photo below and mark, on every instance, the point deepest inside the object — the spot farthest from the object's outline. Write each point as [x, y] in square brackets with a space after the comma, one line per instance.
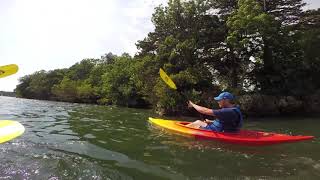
[50, 34]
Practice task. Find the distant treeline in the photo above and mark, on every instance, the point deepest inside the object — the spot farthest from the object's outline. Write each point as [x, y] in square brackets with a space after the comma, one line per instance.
[5, 93]
[243, 46]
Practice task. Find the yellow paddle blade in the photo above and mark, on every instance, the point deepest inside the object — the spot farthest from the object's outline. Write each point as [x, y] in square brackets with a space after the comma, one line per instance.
[8, 70]
[167, 79]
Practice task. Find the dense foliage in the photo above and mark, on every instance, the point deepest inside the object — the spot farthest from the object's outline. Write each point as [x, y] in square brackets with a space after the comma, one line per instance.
[244, 46]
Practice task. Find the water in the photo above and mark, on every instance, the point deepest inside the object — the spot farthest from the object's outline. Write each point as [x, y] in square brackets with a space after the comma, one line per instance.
[77, 141]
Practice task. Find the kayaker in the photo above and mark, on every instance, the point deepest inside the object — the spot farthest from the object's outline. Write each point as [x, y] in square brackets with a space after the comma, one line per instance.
[228, 118]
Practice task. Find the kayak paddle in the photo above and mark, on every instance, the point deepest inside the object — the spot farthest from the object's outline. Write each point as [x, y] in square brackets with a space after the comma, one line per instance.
[8, 70]
[167, 79]
[10, 130]
[172, 85]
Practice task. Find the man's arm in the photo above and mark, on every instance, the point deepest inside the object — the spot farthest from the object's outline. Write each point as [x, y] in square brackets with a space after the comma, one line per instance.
[201, 109]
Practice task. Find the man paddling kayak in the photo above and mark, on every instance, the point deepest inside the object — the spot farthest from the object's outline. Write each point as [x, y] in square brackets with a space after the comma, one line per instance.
[228, 118]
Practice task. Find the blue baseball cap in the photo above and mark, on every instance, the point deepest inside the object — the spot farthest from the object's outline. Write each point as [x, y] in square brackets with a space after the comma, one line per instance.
[224, 95]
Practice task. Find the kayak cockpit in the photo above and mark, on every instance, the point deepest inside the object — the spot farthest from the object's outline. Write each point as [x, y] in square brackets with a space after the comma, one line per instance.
[240, 134]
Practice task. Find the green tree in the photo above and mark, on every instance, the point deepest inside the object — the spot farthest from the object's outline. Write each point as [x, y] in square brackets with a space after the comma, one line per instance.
[286, 12]
[86, 93]
[263, 51]
[145, 76]
[185, 34]
[250, 30]
[66, 90]
[309, 38]
[118, 85]
[82, 70]
[22, 89]
[108, 58]
[39, 84]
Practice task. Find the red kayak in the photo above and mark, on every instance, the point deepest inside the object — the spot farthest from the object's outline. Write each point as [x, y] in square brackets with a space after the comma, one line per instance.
[244, 137]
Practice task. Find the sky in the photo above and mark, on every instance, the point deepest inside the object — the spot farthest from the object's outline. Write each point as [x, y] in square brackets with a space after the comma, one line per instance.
[50, 34]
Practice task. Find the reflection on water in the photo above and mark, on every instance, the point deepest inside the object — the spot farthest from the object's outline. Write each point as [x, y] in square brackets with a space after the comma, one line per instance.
[77, 141]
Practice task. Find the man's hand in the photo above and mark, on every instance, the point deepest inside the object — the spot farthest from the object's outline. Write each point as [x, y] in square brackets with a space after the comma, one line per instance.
[200, 109]
[190, 104]
[207, 121]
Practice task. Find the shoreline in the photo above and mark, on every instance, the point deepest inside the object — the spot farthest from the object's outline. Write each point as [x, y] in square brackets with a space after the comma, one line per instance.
[293, 107]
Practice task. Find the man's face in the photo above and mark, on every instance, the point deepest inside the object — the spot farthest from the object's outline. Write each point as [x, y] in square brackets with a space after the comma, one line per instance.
[221, 103]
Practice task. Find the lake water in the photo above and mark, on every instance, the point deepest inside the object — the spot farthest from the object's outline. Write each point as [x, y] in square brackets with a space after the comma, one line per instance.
[77, 141]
